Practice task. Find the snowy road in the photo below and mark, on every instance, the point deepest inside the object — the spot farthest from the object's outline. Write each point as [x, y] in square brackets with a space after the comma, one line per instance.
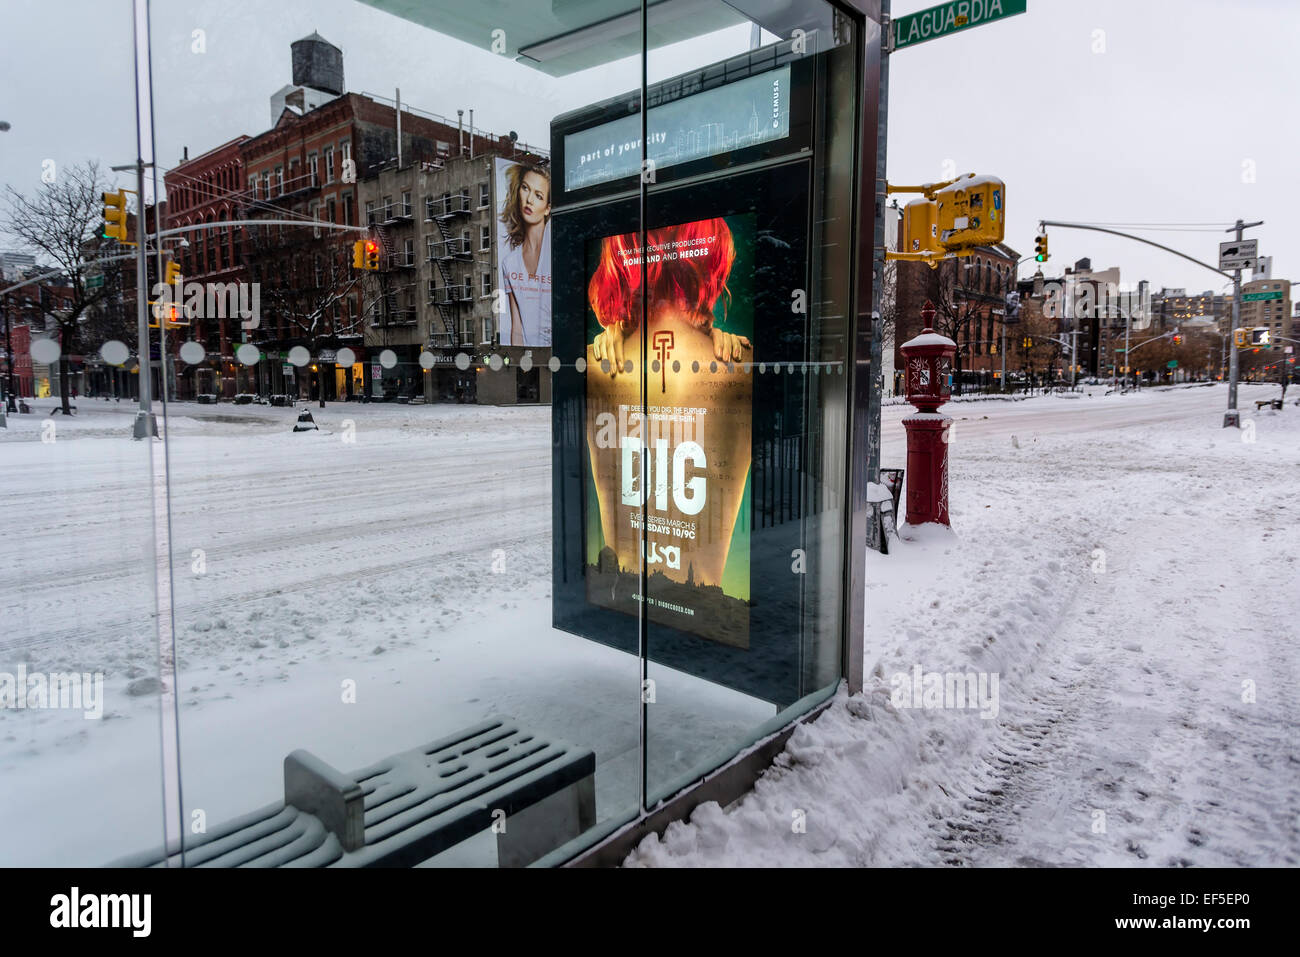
[1129, 570]
[400, 547]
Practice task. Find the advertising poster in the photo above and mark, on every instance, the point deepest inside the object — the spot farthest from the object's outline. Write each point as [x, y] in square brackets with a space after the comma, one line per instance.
[523, 218]
[687, 458]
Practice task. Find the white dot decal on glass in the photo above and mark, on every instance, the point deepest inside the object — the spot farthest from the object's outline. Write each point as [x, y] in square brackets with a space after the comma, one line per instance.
[346, 358]
[388, 358]
[248, 354]
[654, 366]
[494, 362]
[581, 364]
[462, 361]
[426, 360]
[299, 356]
[192, 352]
[554, 364]
[45, 351]
[114, 352]
[526, 363]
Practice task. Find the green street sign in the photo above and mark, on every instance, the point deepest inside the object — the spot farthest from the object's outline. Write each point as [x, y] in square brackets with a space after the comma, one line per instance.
[948, 18]
[1261, 296]
[1171, 364]
[95, 282]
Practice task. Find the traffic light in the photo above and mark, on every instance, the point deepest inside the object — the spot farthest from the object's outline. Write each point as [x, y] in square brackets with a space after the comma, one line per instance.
[971, 212]
[359, 254]
[372, 254]
[1259, 337]
[115, 216]
[173, 273]
[1029, 343]
[1040, 248]
[1239, 338]
[1178, 340]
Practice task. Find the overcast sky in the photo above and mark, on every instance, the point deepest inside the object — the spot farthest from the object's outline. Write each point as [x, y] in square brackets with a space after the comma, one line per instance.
[1105, 111]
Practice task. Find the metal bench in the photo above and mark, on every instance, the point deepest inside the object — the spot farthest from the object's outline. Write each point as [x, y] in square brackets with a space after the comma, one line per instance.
[1272, 403]
[403, 810]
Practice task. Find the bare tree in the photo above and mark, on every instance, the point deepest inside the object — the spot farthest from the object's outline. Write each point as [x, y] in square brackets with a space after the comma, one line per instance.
[305, 281]
[955, 311]
[60, 223]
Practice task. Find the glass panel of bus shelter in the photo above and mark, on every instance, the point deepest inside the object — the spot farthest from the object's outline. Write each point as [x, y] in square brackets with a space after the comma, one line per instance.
[80, 756]
[367, 390]
[749, 137]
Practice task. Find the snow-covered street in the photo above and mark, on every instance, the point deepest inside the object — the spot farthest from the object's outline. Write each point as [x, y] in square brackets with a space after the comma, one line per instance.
[1129, 571]
[1122, 565]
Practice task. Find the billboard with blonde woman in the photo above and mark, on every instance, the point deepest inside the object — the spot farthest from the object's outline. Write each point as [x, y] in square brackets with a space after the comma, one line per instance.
[523, 280]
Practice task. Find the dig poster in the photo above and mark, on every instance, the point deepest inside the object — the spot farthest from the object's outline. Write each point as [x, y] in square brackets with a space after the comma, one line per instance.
[677, 469]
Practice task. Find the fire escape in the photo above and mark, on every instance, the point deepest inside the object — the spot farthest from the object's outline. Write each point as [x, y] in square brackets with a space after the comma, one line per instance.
[445, 212]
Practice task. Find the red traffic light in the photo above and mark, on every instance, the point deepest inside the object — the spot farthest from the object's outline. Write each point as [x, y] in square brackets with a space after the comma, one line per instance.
[372, 247]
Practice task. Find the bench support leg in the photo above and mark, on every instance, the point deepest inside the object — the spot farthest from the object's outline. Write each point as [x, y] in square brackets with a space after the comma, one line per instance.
[542, 827]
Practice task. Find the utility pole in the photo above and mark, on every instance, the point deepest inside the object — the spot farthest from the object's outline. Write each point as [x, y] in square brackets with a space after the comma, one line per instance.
[1232, 417]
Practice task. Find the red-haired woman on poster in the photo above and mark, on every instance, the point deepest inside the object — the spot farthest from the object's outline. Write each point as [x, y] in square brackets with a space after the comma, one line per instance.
[687, 274]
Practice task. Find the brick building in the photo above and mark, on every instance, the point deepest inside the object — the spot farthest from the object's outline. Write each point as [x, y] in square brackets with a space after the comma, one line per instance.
[202, 191]
[970, 307]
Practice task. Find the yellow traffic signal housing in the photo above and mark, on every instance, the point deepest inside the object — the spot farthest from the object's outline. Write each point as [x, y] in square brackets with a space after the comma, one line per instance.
[359, 254]
[1239, 338]
[1040, 248]
[115, 216]
[1178, 340]
[921, 226]
[173, 273]
[971, 212]
[372, 254]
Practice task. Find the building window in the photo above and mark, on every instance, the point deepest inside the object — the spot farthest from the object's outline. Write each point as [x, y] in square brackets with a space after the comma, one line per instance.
[468, 288]
[408, 252]
[429, 242]
[348, 217]
[252, 186]
[428, 208]
[483, 194]
[485, 237]
[464, 241]
[332, 208]
[387, 208]
[487, 285]
[406, 203]
[488, 329]
[266, 185]
[314, 169]
[328, 154]
[279, 181]
[467, 331]
[370, 212]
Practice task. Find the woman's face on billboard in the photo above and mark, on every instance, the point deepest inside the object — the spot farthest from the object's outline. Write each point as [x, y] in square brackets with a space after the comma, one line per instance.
[534, 198]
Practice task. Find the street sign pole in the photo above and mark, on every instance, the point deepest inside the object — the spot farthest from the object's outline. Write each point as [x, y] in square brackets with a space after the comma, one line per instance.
[1232, 417]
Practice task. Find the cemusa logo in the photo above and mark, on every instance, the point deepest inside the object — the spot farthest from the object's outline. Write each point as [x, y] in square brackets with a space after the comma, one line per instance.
[76, 909]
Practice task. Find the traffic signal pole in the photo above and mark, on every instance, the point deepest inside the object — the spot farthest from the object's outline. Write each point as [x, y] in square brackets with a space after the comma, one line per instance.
[1231, 416]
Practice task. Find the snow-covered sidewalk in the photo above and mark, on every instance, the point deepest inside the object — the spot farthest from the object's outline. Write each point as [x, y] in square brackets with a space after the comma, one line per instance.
[1126, 570]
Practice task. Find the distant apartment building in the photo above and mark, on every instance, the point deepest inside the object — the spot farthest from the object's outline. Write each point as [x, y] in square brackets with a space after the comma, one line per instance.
[1266, 304]
[438, 306]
